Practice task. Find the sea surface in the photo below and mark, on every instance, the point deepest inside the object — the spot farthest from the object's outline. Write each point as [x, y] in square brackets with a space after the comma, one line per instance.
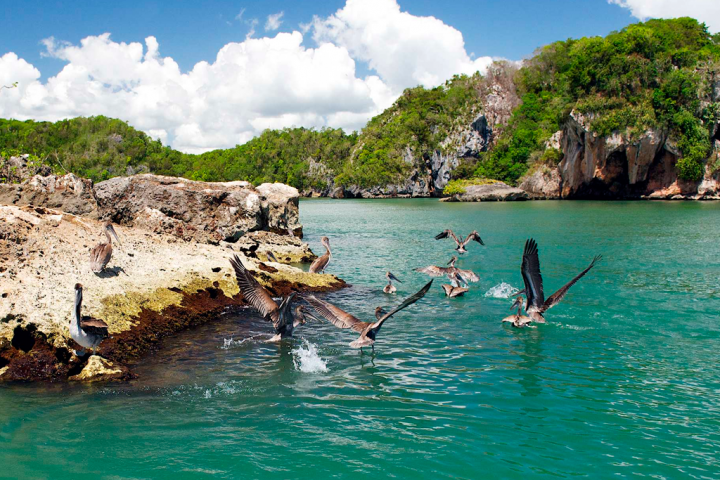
[622, 382]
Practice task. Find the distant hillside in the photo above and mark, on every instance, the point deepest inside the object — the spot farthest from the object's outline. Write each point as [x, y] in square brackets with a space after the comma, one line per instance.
[654, 75]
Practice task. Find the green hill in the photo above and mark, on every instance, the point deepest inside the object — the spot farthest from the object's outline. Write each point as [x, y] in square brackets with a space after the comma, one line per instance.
[655, 74]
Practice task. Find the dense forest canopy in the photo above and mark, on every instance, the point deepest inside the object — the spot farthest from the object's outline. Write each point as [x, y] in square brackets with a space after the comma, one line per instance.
[649, 75]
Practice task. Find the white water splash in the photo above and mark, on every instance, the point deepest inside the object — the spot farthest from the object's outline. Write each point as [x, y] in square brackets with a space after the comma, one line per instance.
[229, 343]
[503, 290]
[306, 358]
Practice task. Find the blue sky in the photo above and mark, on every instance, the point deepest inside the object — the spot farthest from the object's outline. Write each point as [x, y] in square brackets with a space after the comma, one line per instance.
[200, 76]
[191, 31]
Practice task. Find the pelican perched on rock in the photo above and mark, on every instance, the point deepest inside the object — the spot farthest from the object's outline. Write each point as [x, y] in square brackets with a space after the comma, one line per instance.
[101, 253]
[271, 257]
[368, 330]
[259, 298]
[450, 271]
[517, 320]
[536, 304]
[390, 288]
[87, 332]
[458, 285]
[320, 263]
[460, 245]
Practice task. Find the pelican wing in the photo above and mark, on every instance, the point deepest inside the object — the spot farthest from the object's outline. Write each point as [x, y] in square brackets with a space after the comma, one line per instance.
[473, 236]
[555, 298]
[335, 315]
[100, 256]
[445, 234]
[94, 326]
[433, 271]
[408, 301]
[254, 293]
[468, 275]
[320, 263]
[531, 274]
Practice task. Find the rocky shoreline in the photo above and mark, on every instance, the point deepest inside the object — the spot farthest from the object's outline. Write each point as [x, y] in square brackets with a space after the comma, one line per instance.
[169, 273]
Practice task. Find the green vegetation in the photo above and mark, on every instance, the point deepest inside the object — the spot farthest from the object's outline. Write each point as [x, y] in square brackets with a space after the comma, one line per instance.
[648, 75]
[457, 187]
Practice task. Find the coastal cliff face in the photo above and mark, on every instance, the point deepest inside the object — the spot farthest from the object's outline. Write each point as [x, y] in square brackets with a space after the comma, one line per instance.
[615, 166]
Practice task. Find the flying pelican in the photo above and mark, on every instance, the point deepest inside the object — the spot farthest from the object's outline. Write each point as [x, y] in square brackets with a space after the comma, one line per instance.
[101, 253]
[536, 304]
[320, 263]
[517, 320]
[458, 285]
[259, 298]
[390, 288]
[367, 330]
[449, 271]
[87, 332]
[460, 245]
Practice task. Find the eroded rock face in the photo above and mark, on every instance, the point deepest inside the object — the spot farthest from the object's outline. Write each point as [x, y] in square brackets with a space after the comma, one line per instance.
[68, 193]
[496, 192]
[544, 183]
[286, 249]
[197, 211]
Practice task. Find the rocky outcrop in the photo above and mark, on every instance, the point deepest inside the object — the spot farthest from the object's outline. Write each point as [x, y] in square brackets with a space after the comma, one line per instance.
[198, 211]
[542, 184]
[616, 166]
[68, 193]
[285, 248]
[494, 192]
[155, 285]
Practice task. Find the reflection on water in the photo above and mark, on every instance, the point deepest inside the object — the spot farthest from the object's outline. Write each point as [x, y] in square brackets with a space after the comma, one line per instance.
[622, 380]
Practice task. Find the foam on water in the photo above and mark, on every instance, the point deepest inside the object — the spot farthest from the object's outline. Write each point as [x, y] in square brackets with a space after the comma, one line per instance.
[229, 343]
[502, 290]
[306, 358]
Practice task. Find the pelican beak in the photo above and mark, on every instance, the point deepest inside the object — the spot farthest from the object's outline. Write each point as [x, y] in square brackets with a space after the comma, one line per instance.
[111, 229]
[393, 277]
[516, 303]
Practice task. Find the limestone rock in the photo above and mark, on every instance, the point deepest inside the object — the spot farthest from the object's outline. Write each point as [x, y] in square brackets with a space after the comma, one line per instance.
[280, 208]
[68, 193]
[495, 192]
[543, 183]
[197, 211]
[286, 249]
[98, 368]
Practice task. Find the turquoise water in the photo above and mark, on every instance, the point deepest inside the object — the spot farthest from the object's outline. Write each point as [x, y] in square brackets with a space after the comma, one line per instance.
[622, 381]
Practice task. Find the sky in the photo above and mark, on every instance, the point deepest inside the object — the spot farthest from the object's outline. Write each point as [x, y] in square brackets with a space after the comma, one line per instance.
[213, 74]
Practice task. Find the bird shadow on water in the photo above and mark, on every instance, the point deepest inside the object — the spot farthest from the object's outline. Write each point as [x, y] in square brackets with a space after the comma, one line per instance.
[110, 272]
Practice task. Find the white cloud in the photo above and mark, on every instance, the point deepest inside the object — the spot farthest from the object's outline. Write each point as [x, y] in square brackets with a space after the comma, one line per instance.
[239, 16]
[259, 83]
[405, 50]
[707, 11]
[273, 22]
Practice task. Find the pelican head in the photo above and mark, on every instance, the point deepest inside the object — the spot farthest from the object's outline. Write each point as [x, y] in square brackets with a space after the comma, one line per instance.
[390, 276]
[301, 315]
[379, 311]
[109, 229]
[326, 242]
[452, 261]
[517, 303]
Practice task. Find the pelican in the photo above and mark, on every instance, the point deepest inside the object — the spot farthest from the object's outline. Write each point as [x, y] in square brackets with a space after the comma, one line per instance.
[517, 320]
[101, 253]
[390, 288]
[458, 286]
[449, 271]
[320, 263]
[536, 304]
[290, 232]
[259, 298]
[460, 245]
[368, 330]
[271, 257]
[87, 332]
